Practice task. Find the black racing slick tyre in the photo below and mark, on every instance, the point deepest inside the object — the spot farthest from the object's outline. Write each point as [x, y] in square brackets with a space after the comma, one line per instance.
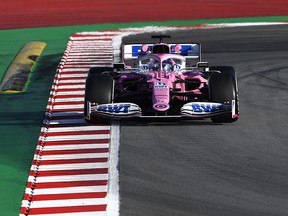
[223, 89]
[99, 90]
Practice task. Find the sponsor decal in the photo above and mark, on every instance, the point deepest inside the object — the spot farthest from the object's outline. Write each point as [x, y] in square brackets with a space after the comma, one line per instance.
[160, 85]
[114, 108]
[121, 110]
[206, 107]
[135, 50]
[161, 106]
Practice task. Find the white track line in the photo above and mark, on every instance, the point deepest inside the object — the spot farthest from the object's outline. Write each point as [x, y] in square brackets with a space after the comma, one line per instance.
[74, 147]
[74, 128]
[67, 190]
[75, 137]
[113, 192]
[72, 156]
[67, 121]
[67, 107]
[69, 178]
[70, 166]
[80, 92]
[69, 99]
[65, 203]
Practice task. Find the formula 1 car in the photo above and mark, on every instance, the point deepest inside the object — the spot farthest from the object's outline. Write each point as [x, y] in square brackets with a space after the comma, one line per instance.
[161, 81]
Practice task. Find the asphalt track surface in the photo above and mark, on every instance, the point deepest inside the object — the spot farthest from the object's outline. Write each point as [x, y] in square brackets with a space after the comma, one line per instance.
[199, 168]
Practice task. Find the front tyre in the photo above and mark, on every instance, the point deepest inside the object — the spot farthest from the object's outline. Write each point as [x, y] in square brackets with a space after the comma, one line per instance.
[223, 89]
[98, 90]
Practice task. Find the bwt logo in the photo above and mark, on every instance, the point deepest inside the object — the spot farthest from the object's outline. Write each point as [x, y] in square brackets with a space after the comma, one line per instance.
[160, 85]
[206, 107]
[114, 108]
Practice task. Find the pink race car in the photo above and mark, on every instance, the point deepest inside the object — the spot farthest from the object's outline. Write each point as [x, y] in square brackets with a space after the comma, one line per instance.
[162, 81]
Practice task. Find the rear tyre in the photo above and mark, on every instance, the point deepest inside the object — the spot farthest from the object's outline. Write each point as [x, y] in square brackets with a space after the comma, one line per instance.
[99, 90]
[223, 89]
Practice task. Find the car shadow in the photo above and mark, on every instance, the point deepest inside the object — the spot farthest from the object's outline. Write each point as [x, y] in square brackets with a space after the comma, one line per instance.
[143, 122]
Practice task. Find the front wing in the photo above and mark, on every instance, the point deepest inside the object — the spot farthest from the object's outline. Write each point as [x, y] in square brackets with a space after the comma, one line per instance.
[192, 110]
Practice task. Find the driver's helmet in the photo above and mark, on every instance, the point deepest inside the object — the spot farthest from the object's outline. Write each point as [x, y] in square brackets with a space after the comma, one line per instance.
[168, 65]
[156, 66]
[151, 63]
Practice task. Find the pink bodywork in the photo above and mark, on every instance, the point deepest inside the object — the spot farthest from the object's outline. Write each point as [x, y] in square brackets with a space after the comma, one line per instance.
[162, 82]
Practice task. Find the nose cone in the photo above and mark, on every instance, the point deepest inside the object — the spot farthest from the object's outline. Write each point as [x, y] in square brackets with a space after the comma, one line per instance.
[161, 95]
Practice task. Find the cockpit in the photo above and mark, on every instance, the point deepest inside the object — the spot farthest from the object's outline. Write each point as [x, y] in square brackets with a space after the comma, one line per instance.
[169, 63]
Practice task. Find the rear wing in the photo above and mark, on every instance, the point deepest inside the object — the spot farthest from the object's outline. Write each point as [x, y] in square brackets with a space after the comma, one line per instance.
[189, 51]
